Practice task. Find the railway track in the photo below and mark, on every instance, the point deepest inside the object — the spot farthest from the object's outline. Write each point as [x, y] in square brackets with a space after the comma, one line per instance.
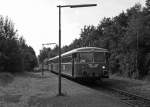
[129, 98]
[126, 97]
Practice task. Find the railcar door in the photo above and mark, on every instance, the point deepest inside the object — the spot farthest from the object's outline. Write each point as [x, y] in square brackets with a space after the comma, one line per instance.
[74, 56]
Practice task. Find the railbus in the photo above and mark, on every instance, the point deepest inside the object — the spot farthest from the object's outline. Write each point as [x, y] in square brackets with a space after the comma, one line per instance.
[86, 63]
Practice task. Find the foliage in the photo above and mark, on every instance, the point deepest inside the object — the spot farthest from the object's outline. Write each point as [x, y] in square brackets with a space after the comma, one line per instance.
[47, 53]
[28, 55]
[127, 36]
[12, 49]
[10, 58]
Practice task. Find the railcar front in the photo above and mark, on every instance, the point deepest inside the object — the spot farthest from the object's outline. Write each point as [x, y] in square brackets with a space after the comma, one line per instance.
[91, 65]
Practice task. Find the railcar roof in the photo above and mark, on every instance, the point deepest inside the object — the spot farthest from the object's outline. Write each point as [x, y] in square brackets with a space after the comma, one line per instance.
[82, 49]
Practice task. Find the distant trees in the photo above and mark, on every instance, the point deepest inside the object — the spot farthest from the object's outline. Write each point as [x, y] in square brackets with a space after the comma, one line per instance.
[12, 49]
[47, 53]
[127, 36]
[28, 55]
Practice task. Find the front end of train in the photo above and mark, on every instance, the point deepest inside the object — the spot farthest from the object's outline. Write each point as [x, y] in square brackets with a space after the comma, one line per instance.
[92, 66]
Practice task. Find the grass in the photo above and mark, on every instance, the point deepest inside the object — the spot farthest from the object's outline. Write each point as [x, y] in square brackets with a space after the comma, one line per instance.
[32, 90]
[6, 78]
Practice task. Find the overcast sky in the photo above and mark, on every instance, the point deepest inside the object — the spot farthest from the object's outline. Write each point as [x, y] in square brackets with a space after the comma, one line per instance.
[37, 20]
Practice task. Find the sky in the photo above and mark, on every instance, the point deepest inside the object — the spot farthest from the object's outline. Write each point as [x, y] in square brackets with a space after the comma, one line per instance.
[38, 20]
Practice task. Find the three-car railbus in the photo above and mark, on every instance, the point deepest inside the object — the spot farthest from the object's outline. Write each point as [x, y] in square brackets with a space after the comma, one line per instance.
[86, 63]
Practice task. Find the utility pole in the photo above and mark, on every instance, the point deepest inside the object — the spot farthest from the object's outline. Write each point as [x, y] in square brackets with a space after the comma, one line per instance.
[60, 6]
[43, 60]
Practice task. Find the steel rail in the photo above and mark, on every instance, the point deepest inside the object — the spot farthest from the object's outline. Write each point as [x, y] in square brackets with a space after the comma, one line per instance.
[132, 99]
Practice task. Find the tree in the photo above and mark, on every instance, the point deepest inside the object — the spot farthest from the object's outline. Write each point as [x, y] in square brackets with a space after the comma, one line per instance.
[126, 36]
[15, 54]
[147, 5]
[11, 54]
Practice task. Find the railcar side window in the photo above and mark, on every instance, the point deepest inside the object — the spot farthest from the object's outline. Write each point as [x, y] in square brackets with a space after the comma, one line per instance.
[67, 59]
[77, 57]
[55, 60]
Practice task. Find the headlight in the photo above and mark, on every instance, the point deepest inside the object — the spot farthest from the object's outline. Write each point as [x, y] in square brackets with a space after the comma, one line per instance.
[103, 67]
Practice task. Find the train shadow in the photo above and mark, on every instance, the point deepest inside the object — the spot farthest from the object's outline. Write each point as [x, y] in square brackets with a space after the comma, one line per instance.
[94, 84]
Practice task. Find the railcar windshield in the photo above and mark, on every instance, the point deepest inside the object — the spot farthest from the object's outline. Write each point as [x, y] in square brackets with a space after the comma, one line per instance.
[99, 57]
[85, 57]
[90, 57]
